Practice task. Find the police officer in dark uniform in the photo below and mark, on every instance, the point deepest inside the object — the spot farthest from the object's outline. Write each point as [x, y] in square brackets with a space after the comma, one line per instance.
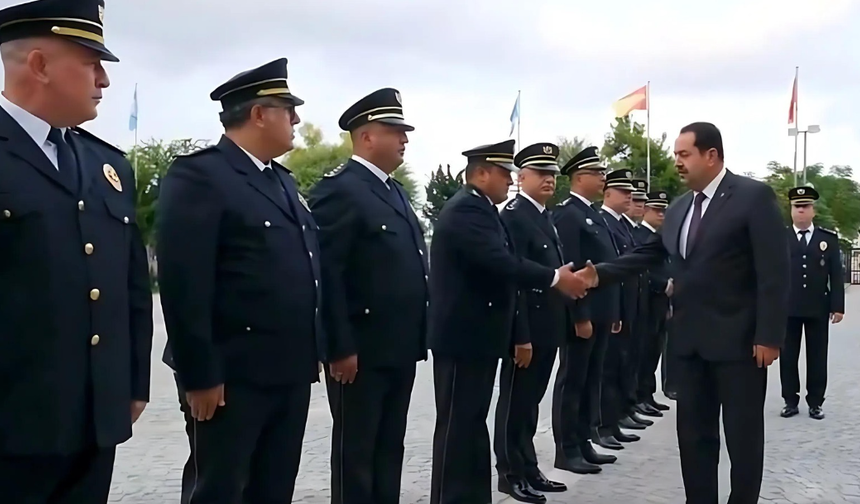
[239, 273]
[524, 378]
[476, 317]
[375, 301]
[616, 408]
[585, 236]
[76, 304]
[817, 298]
[658, 286]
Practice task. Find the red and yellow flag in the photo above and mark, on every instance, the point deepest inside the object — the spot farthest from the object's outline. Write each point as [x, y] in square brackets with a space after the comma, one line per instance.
[637, 100]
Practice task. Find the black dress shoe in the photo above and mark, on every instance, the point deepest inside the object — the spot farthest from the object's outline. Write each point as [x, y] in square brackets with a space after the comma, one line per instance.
[607, 441]
[816, 413]
[789, 411]
[620, 435]
[575, 463]
[627, 423]
[671, 395]
[638, 419]
[520, 491]
[592, 457]
[647, 410]
[543, 484]
[657, 406]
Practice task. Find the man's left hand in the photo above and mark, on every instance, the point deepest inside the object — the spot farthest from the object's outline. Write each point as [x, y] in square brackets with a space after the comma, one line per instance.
[764, 355]
[836, 317]
[137, 408]
[523, 355]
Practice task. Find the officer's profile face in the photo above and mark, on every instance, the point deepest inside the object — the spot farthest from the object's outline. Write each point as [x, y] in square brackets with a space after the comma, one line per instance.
[694, 166]
[538, 184]
[495, 182]
[386, 143]
[802, 214]
[617, 199]
[654, 216]
[277, 121]
[590, 182]
[73, 78]
[637, 209]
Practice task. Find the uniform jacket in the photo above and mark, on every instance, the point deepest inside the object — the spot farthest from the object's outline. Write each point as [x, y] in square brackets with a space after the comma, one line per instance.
[582, 228]
[731, 291]
[475, 276]
[535, 238]
[657, 276]
[239, 272]
[374, 266]
[817, 280]
[76, 303]
[630, 294]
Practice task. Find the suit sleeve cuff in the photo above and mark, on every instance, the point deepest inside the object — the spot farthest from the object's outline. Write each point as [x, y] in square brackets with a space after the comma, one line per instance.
[554, 279]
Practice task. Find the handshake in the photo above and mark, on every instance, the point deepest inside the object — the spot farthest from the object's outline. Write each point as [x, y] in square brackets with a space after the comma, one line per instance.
[576, 283]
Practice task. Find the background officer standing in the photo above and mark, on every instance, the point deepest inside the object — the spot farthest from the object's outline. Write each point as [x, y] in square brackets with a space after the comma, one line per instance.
[524, 378]
[375, 300]
[76, 303]
[474, 281]
[817, 298]
[239, 275]
[576, 394]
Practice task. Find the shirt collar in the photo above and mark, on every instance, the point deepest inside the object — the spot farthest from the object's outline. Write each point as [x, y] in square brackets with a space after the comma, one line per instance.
[581, 197]
[711, 188]
[34, 126]
[611, 212]
[811, 229]
[372, 167]
[259, 164]
[648, 226]
[631, 221]
[540, 207]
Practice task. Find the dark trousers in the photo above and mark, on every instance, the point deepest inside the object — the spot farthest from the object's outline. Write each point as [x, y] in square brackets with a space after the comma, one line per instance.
[249, 452]
[739, 388]
[82, 478]
[618, 383]
[369, 418]
[817, 336]
[668, 364]
[652, 344]
[461, 442]
[520, 393]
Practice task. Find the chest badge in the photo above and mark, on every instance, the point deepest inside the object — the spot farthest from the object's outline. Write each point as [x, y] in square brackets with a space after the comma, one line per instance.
[589, 221]
[113, 178]
[823, 246]
[304, 202]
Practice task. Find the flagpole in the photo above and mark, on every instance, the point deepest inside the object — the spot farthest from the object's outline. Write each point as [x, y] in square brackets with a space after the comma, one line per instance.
[519, 113]
[648, 133]
[796, 122]
[136, 153]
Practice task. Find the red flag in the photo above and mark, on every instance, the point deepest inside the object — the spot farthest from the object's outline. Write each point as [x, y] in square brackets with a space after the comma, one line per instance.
[793, 107]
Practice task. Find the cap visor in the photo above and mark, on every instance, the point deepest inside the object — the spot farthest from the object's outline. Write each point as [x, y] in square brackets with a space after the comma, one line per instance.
[95, 46]
[294, 100]
[400, 123]
[507, 166]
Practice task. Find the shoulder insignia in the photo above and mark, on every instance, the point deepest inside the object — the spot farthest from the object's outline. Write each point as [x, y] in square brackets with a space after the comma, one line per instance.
[204, 150]
[86, 134]
[335, 172]
[512, 205]
[828, 231]
[474, 193]
[564, 203]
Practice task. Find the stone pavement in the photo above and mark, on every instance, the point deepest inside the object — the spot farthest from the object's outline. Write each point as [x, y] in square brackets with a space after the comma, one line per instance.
[808, 462]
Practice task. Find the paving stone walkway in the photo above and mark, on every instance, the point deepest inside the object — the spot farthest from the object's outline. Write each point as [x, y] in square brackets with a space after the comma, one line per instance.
[808, 462]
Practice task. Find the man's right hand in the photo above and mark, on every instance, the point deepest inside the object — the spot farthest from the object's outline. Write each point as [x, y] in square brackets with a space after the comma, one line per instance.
[573, 284]
[583, 329]
[203, 403]
[344, 370]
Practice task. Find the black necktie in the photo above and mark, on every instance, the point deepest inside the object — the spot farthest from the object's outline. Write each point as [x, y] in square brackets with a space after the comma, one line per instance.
[801, 236]
[276, 184]
[67, 163]
[695, 221]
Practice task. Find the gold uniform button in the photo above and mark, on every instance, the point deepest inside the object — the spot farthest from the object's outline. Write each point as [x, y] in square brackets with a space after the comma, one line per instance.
[94, 294]
[7, 213]
[81, 205]
[94, 340]
[88, 248]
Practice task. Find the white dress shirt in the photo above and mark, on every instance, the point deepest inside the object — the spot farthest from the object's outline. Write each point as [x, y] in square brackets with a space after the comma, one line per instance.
[373, 169]
[537, 205]
[35, 127]
[259, 164]
[709, 191]
[611, 212]
[631, 221]
[807, 236]
[581, 198]
[648, 227]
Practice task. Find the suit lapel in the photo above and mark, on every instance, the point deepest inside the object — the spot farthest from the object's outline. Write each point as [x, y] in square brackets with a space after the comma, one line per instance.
[243, 164]
[721, 196]
[675, 216]
[22, 146]
[542, 221]
[88, 164]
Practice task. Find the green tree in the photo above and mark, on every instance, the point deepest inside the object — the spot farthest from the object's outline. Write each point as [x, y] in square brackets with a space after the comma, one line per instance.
[316, 158]
[567, 148]
[626, 147]
[439, 189]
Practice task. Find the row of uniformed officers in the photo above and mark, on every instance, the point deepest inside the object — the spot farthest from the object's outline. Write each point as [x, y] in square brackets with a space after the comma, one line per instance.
[258, 286]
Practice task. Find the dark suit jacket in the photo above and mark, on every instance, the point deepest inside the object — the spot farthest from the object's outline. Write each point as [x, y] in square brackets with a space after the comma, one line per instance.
[374, 266]
[731, 292]
[630, 285]
[238, 267]
[817, 280]
[73, 266]
[536, 239]
[475, 276]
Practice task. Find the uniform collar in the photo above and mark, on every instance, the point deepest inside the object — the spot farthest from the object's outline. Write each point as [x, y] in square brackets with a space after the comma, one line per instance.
[631, 221]
[537, 205]
[648, 226]
[35, 127]
[259, 164]
[811, 229]
[581, 198]
[372, 167]
[611, 212]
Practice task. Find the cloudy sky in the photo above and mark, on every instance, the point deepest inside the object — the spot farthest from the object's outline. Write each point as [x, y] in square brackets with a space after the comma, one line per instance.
[459, 65]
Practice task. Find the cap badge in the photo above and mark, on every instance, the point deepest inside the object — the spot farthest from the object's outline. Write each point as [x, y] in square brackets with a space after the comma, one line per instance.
[801, 191]
[101, 14]
[112, 177]
[629, 175]
[662, 195]
[547, 149]
[397, 97]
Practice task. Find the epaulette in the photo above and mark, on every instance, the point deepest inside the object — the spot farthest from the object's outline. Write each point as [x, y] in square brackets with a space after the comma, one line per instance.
[474, 192]
[204, 150]
[337, 171]
[565, 202]
[829, 231]
[513, 204]
[86, 134]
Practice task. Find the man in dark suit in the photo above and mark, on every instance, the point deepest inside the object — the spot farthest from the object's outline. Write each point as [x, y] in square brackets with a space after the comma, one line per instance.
[817, 298]
[477, 315]
[576, 394]
[658, 287]
[524, 378]
[375, 300]
[239, 273]
[76, 304]
[730, 251]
